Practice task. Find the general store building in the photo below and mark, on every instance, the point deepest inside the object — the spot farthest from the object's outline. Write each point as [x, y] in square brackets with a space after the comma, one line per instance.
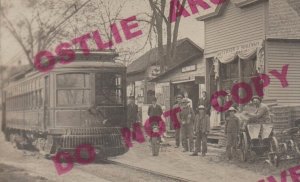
[247, 37]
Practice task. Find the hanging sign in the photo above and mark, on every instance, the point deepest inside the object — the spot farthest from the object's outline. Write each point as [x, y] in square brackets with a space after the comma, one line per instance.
[189, 68]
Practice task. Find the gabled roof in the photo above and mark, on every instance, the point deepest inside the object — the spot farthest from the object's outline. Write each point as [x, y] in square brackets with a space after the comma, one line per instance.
[283, 17]
[217, 11]
[185, 48]
[220, 7]
[162, 75]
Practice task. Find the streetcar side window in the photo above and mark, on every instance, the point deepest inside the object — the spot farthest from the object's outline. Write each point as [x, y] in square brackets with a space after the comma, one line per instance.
[108, 88]
[73, 89]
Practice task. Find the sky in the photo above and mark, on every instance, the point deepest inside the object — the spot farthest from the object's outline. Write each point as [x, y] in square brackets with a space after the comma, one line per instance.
[189, 27]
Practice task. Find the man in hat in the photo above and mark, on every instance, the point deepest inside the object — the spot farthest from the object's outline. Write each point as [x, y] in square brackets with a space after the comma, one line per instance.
[132, 112]
[186, 117]
[232, 127]
[177, 131]
[154, 109]
[201, 129]
[262, 112]
[204, 100]
[186, 96]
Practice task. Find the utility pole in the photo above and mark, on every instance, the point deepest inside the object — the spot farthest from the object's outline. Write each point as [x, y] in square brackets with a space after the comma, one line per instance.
[1, 62]
[1, 74]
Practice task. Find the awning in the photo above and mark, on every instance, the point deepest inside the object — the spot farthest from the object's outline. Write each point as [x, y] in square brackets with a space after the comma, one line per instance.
[244, 52]
[247, 54]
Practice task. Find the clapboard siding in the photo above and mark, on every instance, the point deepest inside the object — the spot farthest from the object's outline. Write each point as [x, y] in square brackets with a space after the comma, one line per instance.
[235, 26]
[277, 54]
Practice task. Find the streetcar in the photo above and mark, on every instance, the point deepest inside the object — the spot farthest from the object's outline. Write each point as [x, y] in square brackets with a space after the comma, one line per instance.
[83, 102]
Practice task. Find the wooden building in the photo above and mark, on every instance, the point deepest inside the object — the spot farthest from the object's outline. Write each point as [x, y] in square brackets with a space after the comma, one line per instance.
[186, 77]
[144, 79]
[147, 67]
[246, 37]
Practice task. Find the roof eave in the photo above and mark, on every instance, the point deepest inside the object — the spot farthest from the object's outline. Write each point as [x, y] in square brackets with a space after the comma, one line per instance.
[174, 67]
[217, 12]
[282, 39]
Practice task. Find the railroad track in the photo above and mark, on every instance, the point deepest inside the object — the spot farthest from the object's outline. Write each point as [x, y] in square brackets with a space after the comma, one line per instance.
[155, 173]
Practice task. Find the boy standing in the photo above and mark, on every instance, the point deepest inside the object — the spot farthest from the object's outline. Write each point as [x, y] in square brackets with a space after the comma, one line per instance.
[232, 127]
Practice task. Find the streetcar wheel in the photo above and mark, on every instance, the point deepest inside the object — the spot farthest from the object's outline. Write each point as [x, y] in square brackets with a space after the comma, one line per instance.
[244, 147]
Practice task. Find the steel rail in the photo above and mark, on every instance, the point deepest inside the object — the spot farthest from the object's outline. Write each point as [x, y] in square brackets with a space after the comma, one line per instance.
[155, 173]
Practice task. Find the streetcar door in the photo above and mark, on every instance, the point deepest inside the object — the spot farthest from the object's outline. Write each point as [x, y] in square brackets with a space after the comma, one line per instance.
[46, 103]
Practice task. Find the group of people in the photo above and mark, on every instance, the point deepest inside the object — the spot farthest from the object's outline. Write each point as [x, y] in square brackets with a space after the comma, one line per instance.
[197, 123]
[192, 124]
[232, 126]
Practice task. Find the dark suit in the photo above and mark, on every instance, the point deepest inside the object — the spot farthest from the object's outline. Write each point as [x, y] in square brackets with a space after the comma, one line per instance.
[132, 114]
[201, 128]
[206, 103]
[155, 111]
[187, 117]
[232, 127]
[177, 131]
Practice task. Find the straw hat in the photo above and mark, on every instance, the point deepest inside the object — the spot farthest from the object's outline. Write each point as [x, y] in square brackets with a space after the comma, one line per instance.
[179, 96]
[232, 109]
[201, 107]
[256, 97]
[185, 100]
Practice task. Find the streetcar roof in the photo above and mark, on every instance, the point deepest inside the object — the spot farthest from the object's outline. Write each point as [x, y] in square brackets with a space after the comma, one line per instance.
[95, 60]
[89, 64]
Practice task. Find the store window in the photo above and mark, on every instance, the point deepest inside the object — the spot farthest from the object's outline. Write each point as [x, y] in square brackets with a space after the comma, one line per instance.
[229, 74]
[248, 68]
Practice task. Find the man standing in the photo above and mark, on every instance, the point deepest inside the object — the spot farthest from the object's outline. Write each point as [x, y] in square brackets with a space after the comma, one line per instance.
[186, 117]
[232, 127]
[154, 109]
[132, 112]
[204, 100]
[177, 131]
[201, 129]
[186, 96]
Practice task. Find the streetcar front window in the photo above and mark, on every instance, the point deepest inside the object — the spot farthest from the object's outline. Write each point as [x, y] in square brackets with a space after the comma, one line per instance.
[73, 89]
[108, 89]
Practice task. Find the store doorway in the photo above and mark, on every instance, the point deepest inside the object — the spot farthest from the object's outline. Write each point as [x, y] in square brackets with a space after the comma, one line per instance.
[212, 83]
[191, 88]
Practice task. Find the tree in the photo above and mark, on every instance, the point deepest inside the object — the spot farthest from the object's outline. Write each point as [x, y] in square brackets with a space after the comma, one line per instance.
[43, 27]
[160, 14]
[51, 22]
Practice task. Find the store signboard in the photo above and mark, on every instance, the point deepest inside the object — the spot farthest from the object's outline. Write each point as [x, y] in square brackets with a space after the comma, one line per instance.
[189, 68]
[154, 71]
[241, 48]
